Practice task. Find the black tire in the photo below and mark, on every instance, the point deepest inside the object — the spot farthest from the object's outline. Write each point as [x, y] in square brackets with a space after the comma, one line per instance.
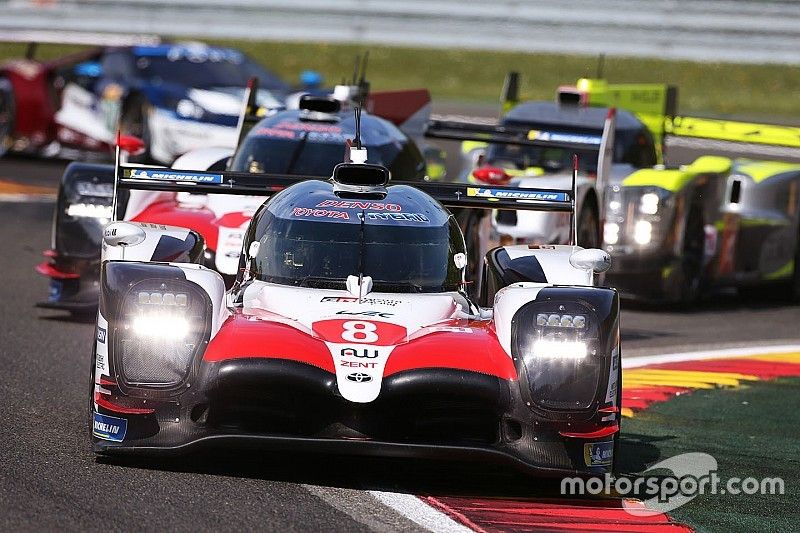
[7, 114]
[90, 410]
[691, 260]
[794, 292]
[617, 439]
[589, 226]
[134, 122]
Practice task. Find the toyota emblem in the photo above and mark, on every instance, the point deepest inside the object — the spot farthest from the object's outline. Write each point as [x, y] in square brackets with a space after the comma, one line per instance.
[359, 377]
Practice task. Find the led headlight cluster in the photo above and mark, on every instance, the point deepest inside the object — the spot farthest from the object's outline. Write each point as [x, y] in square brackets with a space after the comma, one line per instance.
[637, 216]
[561, 321]
[81, 210]
[556, 343]
[164, 326]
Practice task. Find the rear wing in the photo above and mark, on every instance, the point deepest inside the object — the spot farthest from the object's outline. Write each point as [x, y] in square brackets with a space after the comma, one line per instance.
[451, 195]
[656, 106]
[521, 136]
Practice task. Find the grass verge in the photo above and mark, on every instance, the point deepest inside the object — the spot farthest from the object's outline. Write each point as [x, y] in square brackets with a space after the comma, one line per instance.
[766, 92]
[751, 431]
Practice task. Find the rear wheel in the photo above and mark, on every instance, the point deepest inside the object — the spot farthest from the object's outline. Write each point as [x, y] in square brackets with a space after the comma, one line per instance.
[691, 260]
[589, 227]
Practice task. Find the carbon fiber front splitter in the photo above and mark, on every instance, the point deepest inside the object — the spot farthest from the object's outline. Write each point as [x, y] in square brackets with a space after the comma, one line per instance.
[358, 447]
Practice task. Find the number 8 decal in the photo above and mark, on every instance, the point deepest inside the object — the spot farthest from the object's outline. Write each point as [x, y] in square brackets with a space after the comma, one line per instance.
[358, 331]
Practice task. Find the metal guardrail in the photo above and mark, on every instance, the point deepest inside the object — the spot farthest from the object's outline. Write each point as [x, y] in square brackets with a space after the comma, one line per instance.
[751, 31]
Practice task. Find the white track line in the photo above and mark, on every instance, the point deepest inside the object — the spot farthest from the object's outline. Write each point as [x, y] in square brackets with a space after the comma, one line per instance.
[21, 198]
[634, 362]
[420, 512]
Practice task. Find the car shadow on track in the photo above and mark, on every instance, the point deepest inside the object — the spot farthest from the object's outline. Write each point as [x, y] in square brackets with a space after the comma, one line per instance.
[413, 476]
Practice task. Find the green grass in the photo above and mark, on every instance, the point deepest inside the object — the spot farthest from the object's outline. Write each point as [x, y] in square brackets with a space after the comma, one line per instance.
[751, 431]
[721, 89]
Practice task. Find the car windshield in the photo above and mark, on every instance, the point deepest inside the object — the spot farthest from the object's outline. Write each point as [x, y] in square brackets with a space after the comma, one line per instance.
[550, 159]
[211, 68]
[414, 256]
[633, 147]
[302, 156]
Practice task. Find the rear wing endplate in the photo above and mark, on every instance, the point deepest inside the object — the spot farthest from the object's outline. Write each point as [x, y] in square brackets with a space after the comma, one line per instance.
[451, 195]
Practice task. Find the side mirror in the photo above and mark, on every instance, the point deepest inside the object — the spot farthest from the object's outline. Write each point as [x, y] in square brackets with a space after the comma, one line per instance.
[591, 259]
[123, 234]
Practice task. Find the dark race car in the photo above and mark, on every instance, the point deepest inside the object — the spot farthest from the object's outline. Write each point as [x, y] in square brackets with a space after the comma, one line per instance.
[307, 142]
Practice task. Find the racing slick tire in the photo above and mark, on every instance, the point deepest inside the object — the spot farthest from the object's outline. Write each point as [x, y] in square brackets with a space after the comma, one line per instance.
[691, 260]
[589, 226]
[7, 113]
[794, 294]
[134, 122]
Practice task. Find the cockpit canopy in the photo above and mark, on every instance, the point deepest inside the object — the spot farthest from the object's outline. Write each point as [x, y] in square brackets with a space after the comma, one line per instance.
[290, 142]
[309, 237]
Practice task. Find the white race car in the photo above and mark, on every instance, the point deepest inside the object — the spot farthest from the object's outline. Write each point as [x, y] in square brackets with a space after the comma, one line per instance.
[349, 330]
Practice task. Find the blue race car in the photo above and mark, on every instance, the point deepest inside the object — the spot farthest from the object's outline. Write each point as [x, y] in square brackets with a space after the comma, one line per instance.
[176, 97]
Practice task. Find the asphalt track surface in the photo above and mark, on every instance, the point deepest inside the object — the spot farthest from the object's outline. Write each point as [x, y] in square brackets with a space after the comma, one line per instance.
[50, 480]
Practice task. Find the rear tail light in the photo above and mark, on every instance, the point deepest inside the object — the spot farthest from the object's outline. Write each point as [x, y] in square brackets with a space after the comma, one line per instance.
[491, 175]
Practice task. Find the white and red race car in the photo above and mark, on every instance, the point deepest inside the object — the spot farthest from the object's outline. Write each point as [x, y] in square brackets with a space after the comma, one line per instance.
[349, 330]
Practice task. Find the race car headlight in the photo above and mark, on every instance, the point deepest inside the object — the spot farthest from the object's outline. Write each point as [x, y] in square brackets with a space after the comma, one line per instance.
[643, 232]
[82, 210]
[611, 233]
[555, 344]
[164, 324]
[648, 203]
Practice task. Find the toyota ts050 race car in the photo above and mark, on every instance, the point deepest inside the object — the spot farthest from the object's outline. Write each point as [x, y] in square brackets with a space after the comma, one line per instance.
[176, 97]
[719, 221]
[302, 142]
[348, 330]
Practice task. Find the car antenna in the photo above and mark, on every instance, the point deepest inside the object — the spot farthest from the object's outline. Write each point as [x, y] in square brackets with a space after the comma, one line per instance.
[363, 84]
[364, 60]
[358, 154]
[358, 127]
[573, 221]
[355, 69]
[601, 62]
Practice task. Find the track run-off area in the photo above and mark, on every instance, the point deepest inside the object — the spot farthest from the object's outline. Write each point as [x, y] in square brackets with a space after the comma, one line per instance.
[720, 378]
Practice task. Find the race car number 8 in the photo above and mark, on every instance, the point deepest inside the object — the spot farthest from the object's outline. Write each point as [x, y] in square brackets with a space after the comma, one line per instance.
[355, 331]
[360, 331]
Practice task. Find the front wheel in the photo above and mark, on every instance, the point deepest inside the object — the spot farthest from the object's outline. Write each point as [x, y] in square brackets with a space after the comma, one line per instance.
[691, 260]
[588, 228]
[7, 112]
